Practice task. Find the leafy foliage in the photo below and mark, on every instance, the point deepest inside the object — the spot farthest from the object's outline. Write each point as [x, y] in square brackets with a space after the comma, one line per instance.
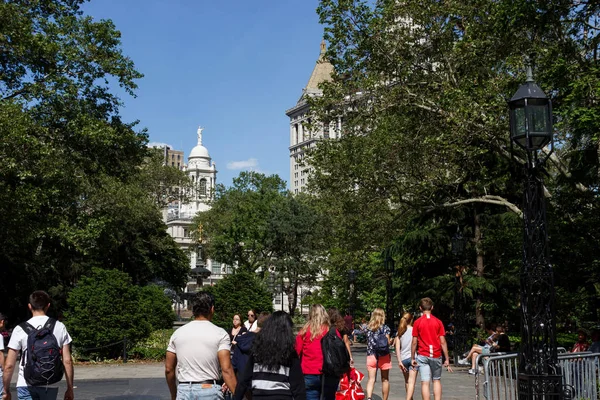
[106, 307]
[236, 294]
[422, 90]
[154, 347]
[76, 191]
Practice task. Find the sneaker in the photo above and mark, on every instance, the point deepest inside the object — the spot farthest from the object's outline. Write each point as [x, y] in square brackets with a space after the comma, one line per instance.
[472, 372]
[463, 361]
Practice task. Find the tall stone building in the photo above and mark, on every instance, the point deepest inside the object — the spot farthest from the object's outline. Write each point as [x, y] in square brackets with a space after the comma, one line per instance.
[301, 138]
[203, 175]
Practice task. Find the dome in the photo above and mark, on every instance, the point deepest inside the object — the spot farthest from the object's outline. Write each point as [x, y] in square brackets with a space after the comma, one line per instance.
[199, 151]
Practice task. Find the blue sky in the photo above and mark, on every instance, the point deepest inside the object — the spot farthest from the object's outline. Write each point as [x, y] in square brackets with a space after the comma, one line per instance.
[233, 67]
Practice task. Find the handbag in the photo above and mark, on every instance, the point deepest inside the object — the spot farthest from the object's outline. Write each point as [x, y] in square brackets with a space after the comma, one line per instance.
[349, 388]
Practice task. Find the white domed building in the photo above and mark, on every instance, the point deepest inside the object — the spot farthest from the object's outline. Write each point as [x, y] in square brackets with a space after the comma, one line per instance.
[203, 175]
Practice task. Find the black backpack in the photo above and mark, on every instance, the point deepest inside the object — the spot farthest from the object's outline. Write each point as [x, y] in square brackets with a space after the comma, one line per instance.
[336, 360]
[382, 345]
[44, 357]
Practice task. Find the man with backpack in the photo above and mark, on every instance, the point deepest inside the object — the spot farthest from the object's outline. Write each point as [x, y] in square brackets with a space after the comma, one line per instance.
[428, 344]
[45, 354]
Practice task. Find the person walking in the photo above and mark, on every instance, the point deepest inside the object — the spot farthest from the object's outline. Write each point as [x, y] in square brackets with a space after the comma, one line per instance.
[250, 324]
[378, 353]
[402, 344]
[241, 352]
[2, 322]
[39, 303]
[428, 344]
[273, 370]
[336, 320]
[308, 347]
[197, 354]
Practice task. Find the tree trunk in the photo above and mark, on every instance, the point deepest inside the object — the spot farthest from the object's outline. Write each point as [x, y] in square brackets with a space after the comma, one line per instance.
[292, 290]
[479, 270]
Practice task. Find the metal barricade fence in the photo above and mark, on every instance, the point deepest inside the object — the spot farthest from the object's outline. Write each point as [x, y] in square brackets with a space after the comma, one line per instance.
[500, 376]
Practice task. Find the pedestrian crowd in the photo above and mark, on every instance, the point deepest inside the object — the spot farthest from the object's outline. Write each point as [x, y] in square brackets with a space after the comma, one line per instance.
[262, 358]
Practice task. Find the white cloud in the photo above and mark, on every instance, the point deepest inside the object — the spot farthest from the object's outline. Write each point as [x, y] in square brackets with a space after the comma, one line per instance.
[159, 145]
[251, 163]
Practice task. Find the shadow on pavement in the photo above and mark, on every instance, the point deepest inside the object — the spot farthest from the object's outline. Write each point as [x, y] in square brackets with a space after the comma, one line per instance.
[130, 397]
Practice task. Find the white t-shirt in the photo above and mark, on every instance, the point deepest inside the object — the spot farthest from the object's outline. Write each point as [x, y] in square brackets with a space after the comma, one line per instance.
[18, 340]
[196, 345]
[405, 343]
[251, 327]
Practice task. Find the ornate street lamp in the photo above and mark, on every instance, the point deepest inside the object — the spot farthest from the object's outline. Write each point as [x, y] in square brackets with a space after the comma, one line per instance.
[460, 324]
[389, 265]
[351, 281]
[531, 130]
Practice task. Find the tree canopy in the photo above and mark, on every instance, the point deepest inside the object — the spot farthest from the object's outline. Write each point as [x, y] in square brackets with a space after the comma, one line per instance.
[74, 183]
[422, 90]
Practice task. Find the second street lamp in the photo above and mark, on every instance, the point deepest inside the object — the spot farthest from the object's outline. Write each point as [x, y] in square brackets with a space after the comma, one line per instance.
[531, 130]
[460, 324]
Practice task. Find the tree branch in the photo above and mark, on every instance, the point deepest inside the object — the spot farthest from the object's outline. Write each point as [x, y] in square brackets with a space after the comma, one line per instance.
[497, 200]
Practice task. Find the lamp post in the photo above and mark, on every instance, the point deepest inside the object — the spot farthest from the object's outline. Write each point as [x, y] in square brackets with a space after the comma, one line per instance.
[351, 281]
[460, 325]
[389, 269]
[531, 130]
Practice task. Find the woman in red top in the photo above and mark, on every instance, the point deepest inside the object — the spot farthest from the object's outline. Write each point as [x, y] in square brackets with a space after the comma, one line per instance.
[308, 347]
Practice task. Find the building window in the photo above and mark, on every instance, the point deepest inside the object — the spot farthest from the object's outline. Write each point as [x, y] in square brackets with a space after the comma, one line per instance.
[186, 233]
[216, 268]
[202, 187]
[296, 130]
[277, 300]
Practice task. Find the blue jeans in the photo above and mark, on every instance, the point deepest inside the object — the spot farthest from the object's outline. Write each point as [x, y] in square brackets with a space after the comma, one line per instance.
[189, 391]
[37, 393]
[313, 387]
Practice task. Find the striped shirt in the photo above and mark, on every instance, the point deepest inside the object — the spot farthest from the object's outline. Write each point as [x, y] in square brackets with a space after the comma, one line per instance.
[283, 383]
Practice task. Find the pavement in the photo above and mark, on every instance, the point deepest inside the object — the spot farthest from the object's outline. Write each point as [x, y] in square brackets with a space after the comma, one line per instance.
[146, 381]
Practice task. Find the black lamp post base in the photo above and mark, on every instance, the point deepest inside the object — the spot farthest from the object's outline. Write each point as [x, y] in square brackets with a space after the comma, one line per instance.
[540, 387]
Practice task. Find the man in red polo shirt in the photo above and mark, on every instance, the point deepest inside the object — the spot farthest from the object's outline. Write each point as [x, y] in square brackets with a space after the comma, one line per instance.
[428, 343]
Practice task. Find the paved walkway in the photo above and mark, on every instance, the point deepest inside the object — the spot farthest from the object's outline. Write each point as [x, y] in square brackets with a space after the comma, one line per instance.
[137, 381]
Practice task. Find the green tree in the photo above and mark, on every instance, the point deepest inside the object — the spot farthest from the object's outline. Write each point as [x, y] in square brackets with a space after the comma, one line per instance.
[73, 191]
[236, 294]
[236, 228]
[106, 307]
[422, 88]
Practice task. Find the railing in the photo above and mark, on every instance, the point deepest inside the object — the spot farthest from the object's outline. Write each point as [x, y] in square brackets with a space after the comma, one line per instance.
[500, 376]
[180, 215]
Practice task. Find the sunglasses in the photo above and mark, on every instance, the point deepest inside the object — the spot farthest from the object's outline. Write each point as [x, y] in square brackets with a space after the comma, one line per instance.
[251, 315]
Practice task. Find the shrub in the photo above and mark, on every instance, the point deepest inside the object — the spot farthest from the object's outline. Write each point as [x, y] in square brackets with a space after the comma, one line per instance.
[154, 347]
[106, 307]
[237, 293]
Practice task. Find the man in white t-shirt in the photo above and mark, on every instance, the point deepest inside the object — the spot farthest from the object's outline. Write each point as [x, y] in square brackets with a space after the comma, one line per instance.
[2, 322]
[197, 353]
[39, 302]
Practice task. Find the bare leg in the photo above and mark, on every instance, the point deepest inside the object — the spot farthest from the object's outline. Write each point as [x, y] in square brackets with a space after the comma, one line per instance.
[385, 383]
[437, 389]
[410, 386]
[425, 390]
[371, 383]
[476, 349]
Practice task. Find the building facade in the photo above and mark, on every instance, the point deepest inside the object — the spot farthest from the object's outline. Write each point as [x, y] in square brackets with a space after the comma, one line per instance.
[302, 137]
[179, 216]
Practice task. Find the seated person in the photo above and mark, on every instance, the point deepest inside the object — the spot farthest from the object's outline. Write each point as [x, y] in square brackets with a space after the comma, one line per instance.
[582, 342]
[595, 347]
[359, 331]
[477, 349]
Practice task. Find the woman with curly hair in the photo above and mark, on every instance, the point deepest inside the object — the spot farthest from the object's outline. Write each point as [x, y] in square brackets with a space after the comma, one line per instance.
[308, 347]
[336, 320]
[375, 329]
[273, 370]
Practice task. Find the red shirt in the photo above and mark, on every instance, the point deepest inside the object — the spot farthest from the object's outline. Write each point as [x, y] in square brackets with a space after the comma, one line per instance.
[310, 352]
[428, 329]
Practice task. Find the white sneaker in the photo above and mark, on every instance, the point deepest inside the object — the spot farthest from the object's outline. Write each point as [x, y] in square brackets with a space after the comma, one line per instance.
[472, 372]
[463, 361]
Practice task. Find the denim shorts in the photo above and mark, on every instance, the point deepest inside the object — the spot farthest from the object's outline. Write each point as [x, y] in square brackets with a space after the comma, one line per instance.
[37, 393]
[192, 391]
[429, 368]
[408, 365]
